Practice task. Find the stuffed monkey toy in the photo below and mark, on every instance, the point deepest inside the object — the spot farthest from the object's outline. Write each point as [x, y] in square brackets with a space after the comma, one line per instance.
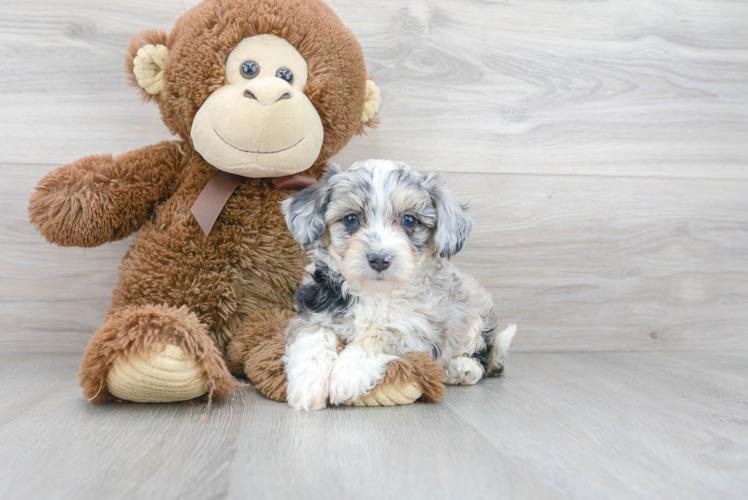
[260, 94]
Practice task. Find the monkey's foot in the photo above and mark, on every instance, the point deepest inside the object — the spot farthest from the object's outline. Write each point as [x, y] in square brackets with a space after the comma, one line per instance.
[390, 395]
[153, 354]
[409, 378]
[163, 375]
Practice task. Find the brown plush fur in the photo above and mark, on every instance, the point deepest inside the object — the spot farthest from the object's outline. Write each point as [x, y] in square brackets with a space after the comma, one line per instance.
[257, 349]
[99, 199]
[176, 284]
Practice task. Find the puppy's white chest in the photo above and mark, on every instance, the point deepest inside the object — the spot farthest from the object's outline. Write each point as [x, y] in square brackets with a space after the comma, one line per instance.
[390, 324]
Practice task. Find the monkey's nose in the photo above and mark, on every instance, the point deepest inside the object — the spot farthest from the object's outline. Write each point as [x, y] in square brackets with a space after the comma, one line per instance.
[267, 92]
[379, 261]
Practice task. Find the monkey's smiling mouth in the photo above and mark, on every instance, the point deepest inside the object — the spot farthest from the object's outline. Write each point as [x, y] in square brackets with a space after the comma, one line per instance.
[258, 152]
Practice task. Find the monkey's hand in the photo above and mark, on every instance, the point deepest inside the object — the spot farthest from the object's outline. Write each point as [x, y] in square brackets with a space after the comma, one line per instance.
[99, 199]
[409, 378]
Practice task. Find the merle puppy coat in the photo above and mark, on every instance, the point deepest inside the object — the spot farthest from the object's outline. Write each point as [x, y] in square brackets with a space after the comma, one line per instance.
[380, 281]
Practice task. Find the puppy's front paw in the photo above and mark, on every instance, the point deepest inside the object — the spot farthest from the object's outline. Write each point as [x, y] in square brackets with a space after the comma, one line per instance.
[308, 363]
[464, 371]
[355, 374]
[347, 386]
[308, 389]
[307, 400]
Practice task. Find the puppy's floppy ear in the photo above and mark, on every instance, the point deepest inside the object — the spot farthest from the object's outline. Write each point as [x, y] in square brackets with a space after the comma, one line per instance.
[305, 210]
[453, 225]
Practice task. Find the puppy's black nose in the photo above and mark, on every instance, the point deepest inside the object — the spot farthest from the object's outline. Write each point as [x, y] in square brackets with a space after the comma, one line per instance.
[379, 261]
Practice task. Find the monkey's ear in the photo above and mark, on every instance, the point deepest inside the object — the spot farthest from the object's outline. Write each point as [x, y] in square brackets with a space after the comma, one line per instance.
[145, 61]
[372, 103]
[305, 210]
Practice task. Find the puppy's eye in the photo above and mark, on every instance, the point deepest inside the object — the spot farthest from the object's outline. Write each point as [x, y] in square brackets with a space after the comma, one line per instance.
[350, 221]
[285, 74]
[250, 69]
[408, 221]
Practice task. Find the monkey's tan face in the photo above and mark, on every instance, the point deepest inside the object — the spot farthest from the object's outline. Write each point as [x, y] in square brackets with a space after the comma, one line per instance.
[260, 124]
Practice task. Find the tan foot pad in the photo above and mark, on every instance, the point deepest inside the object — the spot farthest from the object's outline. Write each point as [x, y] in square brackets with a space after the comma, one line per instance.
[162, 376]
[390, 395]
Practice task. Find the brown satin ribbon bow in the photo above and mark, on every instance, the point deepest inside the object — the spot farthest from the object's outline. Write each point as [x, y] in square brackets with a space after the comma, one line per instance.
[221, 186]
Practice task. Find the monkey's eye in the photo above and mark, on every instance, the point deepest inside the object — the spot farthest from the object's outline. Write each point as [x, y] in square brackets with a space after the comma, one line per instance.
[285, 74]
[408, 221]
[350, 221]
[250, 69]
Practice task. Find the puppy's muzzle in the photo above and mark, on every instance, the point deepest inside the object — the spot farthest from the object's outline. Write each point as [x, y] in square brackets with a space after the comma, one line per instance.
[379, 261]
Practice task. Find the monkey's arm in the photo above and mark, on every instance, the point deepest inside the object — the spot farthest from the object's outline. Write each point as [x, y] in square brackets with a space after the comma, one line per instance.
[99, 199]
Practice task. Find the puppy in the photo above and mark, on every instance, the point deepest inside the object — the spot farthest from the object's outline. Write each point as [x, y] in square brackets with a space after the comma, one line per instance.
[380, 280]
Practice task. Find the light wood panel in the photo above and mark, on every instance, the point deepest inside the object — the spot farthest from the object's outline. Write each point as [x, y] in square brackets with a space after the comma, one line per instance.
[586, 426]
[604, 88]
[615, 89]
[599, 263]
[581, 263]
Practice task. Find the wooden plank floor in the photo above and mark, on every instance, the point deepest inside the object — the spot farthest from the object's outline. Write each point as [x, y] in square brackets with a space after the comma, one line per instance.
[561, 425]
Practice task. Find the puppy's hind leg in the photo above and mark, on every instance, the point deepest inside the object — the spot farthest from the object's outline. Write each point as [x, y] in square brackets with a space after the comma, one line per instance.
[498, 350]
[464, 371]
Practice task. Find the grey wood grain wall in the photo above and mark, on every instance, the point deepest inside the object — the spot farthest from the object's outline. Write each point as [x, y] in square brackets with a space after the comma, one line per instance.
[602, 146]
